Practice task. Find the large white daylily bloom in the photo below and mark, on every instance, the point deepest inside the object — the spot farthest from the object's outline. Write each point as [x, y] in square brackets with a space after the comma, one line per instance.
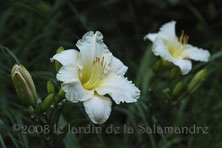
[176, 50]
[94, 76]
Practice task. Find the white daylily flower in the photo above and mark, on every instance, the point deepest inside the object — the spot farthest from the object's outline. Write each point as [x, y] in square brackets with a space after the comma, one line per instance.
[176, 50]
[89, 74]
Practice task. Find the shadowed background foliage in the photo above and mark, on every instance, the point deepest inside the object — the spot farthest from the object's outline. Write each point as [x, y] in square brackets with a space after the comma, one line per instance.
[32, 30]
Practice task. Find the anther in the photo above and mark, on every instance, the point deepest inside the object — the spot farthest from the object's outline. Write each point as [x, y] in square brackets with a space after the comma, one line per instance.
[102, 61]
[183, 38]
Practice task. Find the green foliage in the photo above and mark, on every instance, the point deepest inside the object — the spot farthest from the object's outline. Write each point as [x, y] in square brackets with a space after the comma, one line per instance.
[32, 31]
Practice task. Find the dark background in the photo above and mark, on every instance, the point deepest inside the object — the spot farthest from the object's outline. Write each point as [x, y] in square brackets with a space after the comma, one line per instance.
[32, 30]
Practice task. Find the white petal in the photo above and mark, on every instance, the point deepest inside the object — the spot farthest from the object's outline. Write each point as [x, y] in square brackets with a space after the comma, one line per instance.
[70, 56]
[74, 92]
[119, 88]
[98, 108]
[151, 36]
[167, 32]
[112, 64]
[184, 65]
[160, 49]
[68, 73]
[195, 53]
[117, 66]
[91, 46]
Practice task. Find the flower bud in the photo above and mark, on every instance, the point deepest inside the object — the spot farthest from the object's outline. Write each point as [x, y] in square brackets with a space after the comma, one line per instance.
[166, 92]
[50, 88]
[57, 64]
[24, 85]
[47, 102]
[174, 72]
[197, 81]
[166, 63]
[60, 49]
[61, 96]
[177, 89]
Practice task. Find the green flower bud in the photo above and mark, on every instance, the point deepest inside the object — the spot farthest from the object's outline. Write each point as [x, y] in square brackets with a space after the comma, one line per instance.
[47, 102]
[50, 88]
[157, 66]
[166, 92]
[197, 81]
[166, 64]
[177, 89]
[174, 72]
[60, 49]
[61, 96]
[24, 85]
[57, 64]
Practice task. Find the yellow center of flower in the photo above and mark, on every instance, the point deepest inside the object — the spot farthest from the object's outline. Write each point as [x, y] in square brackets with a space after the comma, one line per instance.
[176, 49]
[92, 76]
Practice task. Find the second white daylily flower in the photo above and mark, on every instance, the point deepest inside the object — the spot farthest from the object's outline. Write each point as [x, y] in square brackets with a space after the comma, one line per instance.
[93, 72]
[176, 50]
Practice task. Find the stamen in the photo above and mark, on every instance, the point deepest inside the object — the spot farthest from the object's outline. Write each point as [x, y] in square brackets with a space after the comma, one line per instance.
[102, 61]
[183, 38]
[96, 74]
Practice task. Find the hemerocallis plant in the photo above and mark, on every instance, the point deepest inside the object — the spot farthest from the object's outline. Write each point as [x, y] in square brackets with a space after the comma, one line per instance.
[94, 76]
[176, 49]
